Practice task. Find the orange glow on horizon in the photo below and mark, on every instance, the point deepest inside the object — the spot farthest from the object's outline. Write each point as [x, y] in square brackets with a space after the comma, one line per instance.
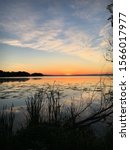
[73, 69]
[77, 71]
[66, 71]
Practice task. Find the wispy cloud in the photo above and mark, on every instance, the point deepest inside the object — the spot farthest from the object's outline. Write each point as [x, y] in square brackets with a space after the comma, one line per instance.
[31, 30]
[49, 36]
[106, 31]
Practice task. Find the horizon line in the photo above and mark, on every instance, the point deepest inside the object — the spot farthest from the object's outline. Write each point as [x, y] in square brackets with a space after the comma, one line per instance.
[92, 74]
[85, 74]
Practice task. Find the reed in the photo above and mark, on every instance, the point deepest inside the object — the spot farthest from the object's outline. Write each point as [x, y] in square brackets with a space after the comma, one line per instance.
[7, 117]
[34, 105]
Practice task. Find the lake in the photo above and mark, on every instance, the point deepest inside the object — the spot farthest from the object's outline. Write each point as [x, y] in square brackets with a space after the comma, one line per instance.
[16, 90]
[79, 90]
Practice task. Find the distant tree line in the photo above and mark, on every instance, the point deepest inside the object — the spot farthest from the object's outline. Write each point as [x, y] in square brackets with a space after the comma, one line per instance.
[18, 74]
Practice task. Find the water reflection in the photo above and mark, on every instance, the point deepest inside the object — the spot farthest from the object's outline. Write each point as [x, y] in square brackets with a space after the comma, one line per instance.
[17, 90]
[77, 90]
[2, 80]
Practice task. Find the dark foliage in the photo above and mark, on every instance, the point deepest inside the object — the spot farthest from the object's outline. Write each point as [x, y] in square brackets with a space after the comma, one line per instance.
[56, 132]
[18, 74]
[50, 137]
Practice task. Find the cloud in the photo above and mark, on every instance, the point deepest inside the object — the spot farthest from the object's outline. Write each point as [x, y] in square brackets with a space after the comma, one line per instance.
[12, 42]
[51, 37]
[89, 10]
[39, 32]
[105, 36]
[106, 31]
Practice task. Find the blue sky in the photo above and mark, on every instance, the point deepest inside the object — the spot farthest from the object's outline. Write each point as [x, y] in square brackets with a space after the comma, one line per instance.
[54, 36]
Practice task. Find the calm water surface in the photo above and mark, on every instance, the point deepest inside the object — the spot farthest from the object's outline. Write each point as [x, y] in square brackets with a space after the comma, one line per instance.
[16, 90]
[77, 89]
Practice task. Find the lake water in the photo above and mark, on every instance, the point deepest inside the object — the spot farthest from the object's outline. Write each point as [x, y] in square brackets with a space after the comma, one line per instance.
[16, 90]
[77, 89]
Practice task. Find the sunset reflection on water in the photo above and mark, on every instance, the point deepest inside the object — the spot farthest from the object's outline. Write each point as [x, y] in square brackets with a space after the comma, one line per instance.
[16, 90]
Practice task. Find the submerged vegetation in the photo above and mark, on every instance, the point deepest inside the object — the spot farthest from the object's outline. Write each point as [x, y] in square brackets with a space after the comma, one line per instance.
[53, 125]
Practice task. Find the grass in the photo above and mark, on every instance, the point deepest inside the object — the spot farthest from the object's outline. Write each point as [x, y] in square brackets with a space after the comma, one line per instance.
[34, 105]
[50, 126]
[50, 137]
[7, 118]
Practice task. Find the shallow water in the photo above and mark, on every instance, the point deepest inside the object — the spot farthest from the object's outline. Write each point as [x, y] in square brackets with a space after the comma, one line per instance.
[16, 90]
[79, 90]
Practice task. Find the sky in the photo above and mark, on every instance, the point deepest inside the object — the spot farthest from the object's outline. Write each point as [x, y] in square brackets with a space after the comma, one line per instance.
[54, 36]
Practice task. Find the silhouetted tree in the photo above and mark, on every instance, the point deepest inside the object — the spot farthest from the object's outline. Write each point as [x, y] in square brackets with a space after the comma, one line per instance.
[110, 8]
[109, 48]
[105, 109]
[18, 74]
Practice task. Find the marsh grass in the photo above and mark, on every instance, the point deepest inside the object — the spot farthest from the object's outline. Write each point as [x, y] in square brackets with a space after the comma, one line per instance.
[34, 105]
[7, 117]
[53, 126]
[46, 106]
